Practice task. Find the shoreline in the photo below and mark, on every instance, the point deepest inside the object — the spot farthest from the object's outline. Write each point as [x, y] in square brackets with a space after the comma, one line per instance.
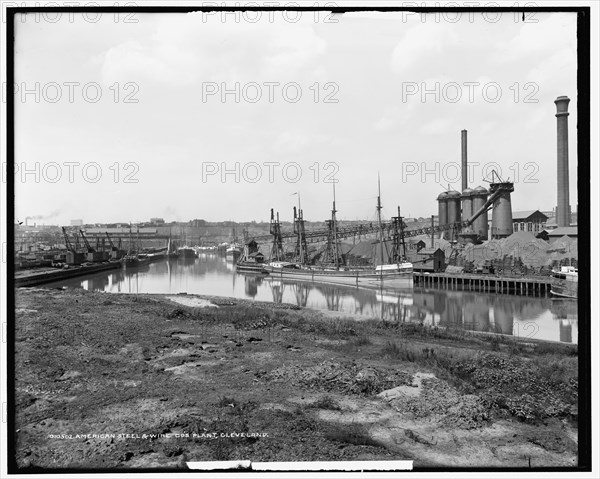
[320, 388]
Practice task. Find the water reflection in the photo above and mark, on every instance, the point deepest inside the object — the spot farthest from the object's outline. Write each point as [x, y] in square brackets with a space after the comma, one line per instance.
[541, 318]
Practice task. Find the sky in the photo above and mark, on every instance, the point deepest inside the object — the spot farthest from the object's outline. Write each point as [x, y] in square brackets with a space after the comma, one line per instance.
[223, 117]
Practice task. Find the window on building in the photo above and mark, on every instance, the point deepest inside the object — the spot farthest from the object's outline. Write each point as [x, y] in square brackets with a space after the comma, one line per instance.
[530, 226]
[522, 228]
[515, 227]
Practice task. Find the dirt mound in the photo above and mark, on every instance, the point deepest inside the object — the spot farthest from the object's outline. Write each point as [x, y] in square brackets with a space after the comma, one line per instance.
[342, 377]
[522, 244]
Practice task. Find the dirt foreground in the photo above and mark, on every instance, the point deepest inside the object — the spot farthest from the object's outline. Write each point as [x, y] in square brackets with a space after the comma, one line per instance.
[114, 381]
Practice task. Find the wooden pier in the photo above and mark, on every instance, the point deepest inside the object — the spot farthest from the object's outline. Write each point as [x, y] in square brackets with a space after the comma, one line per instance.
[529, 286]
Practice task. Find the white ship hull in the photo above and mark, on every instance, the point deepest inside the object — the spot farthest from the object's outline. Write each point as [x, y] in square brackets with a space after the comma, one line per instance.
[389, 278]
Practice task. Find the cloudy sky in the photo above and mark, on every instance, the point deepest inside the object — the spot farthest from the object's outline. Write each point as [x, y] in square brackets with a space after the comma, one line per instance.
[223, 117]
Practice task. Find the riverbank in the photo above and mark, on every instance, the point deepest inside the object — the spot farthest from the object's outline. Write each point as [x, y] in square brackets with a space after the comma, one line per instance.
[153, 381]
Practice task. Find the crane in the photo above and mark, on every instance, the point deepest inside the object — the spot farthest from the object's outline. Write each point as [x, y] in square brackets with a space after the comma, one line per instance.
[68, 243]
[86, 242]
[112, 245]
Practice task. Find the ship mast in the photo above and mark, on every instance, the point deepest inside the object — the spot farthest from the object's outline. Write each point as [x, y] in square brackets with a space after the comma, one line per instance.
[335, 240]
[401, 224]
[379, 216]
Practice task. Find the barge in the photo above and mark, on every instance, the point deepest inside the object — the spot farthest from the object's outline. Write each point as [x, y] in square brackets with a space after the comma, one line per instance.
[48, 275]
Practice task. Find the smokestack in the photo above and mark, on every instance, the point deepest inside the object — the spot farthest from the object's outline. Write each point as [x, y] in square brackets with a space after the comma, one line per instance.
[463, 143]
[563, 209]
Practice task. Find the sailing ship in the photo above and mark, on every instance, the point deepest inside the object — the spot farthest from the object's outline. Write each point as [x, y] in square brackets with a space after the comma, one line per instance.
[397, 274]
[234, 250]
[186, 252]
[131, 259]
[171, 251]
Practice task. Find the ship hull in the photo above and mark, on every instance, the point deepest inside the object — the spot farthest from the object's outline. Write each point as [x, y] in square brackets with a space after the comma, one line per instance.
[567, 289]
[186, 253]
[250, 267]
[369, 279]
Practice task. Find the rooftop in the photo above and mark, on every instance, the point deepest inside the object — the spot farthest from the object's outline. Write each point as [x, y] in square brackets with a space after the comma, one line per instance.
[563, 231]
[518, 215]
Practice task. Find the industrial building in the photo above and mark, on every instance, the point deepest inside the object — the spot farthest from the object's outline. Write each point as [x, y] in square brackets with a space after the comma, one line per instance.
[463, 216]
[432, 260]
[532, 221]
[466, 213]
[556, 233]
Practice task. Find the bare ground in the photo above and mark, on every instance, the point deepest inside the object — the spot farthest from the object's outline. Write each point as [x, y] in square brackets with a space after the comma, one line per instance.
[172, 380]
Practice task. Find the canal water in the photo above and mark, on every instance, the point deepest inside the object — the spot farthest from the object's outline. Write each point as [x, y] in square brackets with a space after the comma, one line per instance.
[525, 317]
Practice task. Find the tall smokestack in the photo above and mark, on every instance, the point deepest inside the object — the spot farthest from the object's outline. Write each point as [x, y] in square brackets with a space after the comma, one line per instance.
[563, 209]
[463, 144]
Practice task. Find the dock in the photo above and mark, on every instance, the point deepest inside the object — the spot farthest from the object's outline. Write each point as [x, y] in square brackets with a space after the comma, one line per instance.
[47, 275]
[526, 286]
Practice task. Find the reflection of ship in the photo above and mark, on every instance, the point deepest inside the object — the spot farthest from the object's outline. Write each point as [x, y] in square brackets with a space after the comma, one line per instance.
[566, 282]
[397, 274]
[251, 284]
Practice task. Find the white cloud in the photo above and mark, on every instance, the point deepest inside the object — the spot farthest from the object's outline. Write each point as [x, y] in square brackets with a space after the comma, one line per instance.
[421, 44]
[551, 32]
[183, 50]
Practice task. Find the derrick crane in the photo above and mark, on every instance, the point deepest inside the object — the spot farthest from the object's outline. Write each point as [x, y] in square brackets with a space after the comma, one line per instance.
[87, 243]
[398, 239]
[68, 243]
[301, 251]
[275, 230]
[110, 241]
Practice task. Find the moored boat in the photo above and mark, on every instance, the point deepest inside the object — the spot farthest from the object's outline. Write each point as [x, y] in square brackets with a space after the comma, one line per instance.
[398, 273]
[186, 252]
[252, 260]
[392, 276]
[233, 251]
[566, 284]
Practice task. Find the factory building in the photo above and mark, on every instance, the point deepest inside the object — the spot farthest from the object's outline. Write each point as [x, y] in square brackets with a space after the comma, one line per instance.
[532, 221]
[464, 216]
[557, 233]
